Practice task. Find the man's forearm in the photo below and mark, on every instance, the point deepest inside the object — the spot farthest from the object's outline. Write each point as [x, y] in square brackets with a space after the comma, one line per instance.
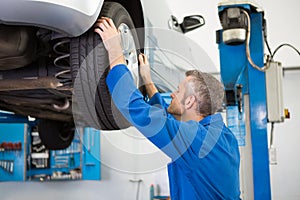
[115, 59]
[145, 74]
[151, 89]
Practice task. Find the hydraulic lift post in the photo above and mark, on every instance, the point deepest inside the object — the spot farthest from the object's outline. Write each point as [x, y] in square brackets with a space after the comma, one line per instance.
[245, 88]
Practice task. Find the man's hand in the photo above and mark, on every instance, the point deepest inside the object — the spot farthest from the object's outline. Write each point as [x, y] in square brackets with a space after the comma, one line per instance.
[146, 76]
[111, 38]
[144, 68]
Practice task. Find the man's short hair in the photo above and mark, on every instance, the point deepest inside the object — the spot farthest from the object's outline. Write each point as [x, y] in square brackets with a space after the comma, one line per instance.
[208, 91]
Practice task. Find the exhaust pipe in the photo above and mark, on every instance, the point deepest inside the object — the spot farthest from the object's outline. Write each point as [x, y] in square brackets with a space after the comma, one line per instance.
[30, 84]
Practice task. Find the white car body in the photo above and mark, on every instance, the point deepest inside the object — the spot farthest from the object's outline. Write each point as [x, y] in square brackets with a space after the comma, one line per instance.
[73, 17]
[32, 31]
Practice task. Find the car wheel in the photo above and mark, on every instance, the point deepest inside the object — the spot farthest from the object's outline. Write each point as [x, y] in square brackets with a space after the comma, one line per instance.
[90, 66]
[56, 135]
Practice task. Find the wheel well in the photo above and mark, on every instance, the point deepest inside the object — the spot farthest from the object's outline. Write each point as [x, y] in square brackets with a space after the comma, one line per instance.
[134, 7]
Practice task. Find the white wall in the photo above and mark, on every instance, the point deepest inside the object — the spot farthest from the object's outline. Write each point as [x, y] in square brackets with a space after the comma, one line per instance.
[281, 16]
[285, 176]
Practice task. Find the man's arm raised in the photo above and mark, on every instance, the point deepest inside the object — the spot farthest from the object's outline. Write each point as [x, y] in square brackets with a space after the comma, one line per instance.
[146, 76]
[111, 38]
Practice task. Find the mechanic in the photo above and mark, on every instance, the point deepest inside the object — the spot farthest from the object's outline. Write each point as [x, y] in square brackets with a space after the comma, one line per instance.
[204, 152]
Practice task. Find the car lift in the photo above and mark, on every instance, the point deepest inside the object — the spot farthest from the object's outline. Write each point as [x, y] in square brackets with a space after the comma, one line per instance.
[245, 89]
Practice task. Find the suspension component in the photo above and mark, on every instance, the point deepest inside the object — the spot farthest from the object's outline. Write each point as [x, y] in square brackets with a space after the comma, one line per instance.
[29, 84]
[63, 107]
[62, 49]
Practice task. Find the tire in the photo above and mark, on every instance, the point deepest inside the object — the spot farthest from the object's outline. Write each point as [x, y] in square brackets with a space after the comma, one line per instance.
[56, 135]
[90, 66]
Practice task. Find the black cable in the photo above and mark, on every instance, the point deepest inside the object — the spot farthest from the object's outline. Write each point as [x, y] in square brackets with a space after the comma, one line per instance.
[265, 36]
[138, 190]
[271, 134]
[268, 46]
[285, 44]
[138, 187]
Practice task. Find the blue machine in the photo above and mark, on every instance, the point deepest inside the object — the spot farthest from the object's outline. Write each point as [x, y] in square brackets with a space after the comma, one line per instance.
[241, 47]
[13, 134]
[23, 157]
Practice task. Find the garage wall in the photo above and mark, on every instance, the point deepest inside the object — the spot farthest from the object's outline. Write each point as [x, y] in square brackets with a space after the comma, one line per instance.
[282, 25]
[281, 16]
[285, 175]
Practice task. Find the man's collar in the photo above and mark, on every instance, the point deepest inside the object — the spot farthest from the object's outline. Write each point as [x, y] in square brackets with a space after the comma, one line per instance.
[211, 119]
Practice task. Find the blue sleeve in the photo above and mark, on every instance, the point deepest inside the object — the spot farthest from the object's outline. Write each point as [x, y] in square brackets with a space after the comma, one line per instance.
[168, 134]
[157, 99]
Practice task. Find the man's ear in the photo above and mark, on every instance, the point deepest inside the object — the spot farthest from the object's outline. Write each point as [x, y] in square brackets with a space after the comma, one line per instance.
[189, 101]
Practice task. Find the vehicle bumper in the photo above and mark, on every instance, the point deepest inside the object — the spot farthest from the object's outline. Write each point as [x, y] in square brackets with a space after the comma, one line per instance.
[71, 17]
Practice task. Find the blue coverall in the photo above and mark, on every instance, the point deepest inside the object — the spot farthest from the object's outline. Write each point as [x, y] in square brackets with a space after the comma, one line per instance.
[205, 155]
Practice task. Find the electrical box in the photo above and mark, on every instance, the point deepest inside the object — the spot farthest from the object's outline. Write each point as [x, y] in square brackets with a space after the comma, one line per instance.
[275, 107]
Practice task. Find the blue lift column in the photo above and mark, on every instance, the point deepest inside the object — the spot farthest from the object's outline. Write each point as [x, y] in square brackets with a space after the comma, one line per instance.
[245, 89]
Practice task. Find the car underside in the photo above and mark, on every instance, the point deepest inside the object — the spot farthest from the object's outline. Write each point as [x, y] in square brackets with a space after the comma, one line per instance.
[34, 80]
[38, 68]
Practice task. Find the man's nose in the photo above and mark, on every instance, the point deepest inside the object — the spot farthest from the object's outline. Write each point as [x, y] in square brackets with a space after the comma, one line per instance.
[172, 95]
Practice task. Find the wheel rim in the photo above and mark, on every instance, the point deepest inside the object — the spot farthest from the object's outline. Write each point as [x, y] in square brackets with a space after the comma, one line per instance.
[129, 50]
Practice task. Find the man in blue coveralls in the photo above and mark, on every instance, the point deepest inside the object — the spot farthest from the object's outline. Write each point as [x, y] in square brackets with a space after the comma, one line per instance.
[204, 152]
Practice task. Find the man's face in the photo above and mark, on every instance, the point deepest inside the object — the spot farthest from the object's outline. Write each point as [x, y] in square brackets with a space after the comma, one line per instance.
[176, 107]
